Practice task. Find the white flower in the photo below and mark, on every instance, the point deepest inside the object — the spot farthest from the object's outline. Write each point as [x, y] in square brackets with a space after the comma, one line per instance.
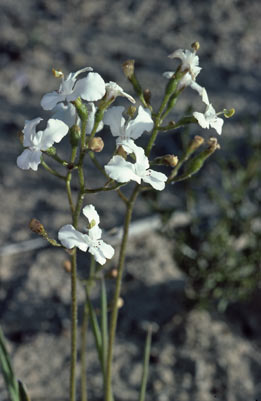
[209, 119]
[189, 62]
[91, 88]
[127, 131]
[36, 142]
[122, 171]
[113, 90]
[70, 237]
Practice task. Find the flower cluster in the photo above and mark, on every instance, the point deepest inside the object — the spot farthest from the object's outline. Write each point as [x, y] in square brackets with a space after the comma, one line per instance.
[190, 66]
[129, 163]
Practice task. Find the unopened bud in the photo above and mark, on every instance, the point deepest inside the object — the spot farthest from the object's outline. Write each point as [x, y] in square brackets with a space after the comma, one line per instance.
[131, 111]
[128, 68]
[170, 160]
[147, 95]
[75, 135]
[195, 46]
[121, 152]
[196, 142]
[120, 303]
[229, 113]
[57, 73]
[213, 145]
[67, 265]
[37, 227]
[113, 273]
[96, 144]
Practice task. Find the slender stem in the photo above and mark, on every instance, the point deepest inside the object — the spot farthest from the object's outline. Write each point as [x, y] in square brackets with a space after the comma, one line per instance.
[74, 320]
[146, 360]
[51, 170]
[83, 353]
[114, 313]
[69, 191]
[97, 164]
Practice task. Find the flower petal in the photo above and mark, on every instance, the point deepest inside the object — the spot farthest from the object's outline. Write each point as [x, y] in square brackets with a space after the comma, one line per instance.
[142, 122]
[202, 91]
[101, 252]
[50, 100]
[121, 171]
[91, 88]
[94, 233]
[217, 124]
[66, 113]
[113, 117]
[91, 214]
[200, 117]
[168, 74]
[54, 132]
[30, 130]
[155, 179]
[70, 237]
[29, 159]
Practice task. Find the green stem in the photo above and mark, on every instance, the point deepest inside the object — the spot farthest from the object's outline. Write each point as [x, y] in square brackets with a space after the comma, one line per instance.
[74, 326]
[146, 360]
[69, 191]
[97, 164]
[83, 353]
[114, 313]
[51, 170]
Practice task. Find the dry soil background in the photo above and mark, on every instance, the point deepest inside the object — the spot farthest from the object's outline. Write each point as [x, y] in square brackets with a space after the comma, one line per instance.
[195, 356]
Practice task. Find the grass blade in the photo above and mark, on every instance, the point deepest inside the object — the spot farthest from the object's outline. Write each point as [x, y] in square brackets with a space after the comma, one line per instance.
[104, 324]
[9, 377]
[146, 361]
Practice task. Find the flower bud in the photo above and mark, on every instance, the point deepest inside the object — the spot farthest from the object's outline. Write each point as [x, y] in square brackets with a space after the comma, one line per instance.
[67, 265]
[213, 145]
[195, 46]
[57, 73]
[170, 160]
[128, 68]
[96, 144]
[195, 164]
[167, 160]
[37, 227]
[196, 142]
[75, 135]
[113, 273]
[229, 113]
[120, 303]
[147, 95]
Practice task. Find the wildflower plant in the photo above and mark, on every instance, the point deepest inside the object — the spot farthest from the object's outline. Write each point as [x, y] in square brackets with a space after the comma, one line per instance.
[81, 107]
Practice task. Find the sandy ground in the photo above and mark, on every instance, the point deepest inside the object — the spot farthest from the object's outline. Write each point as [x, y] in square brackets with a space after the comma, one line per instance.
[195, 355]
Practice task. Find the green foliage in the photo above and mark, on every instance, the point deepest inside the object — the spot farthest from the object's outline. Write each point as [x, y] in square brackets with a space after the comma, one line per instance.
[220, 250]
